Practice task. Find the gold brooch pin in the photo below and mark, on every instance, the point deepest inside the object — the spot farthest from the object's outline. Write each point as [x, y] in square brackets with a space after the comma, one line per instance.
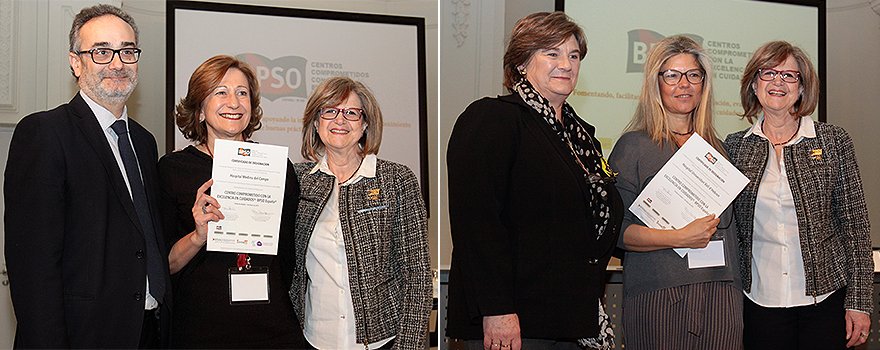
[816, 153]
[606, 168]
[374, 194]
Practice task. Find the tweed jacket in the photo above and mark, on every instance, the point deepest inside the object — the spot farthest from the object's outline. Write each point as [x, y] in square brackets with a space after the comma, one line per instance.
[832, 217]
[385, 230]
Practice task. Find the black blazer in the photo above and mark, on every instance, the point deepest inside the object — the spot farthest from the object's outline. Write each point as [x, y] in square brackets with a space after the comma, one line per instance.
[74, 247]
[524, 240]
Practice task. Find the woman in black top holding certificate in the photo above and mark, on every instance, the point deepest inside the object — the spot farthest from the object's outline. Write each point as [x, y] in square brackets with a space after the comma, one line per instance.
[222, 102]
[668, 305]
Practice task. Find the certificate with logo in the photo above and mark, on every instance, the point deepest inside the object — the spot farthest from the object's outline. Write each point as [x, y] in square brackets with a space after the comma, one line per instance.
[697, 181]
[249, 181]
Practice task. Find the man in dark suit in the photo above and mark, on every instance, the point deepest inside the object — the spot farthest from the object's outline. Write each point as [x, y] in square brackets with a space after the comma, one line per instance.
[85, 253]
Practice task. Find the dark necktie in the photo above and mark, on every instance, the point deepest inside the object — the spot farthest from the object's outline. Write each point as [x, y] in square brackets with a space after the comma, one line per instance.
[142, 207]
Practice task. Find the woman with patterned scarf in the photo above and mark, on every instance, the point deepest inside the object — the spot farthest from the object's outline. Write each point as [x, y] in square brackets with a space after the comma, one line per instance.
[533, 208]
[666, 303]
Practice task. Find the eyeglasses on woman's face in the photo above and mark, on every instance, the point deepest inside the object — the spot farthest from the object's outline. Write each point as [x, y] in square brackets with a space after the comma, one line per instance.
[788, 76]
[673, 77]
[351, 114]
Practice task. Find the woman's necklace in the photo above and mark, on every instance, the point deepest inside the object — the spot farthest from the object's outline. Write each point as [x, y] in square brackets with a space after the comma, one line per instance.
[568, 142]
[789, 139]
[592, 177]
[683, 133]
[353, 172]
[674, 139]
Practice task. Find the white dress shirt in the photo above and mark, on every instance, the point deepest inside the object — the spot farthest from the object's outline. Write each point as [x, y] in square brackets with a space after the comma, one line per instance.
[329, 311]
[105, 119]
[778, 275]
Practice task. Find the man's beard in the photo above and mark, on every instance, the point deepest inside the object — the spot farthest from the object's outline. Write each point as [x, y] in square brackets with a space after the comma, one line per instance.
[92, 82]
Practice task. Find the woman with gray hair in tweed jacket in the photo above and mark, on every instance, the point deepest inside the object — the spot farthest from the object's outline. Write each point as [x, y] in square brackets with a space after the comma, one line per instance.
[805, 245]
[362, 276]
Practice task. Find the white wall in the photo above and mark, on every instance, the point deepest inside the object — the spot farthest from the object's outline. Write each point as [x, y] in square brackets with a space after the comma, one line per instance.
[853, 87]
[471, 40]
[7, 321]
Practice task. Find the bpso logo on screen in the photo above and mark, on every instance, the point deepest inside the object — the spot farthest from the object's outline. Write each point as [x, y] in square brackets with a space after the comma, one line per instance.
[728, 58]
[640, 41]
[280, 77]
[290, 76]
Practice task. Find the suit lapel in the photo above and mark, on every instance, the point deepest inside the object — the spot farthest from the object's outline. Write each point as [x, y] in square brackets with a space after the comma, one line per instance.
[560, 148]
[88, 124]
[564, 152]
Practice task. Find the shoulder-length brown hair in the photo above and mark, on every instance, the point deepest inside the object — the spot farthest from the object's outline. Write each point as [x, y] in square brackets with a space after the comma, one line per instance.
[651, 116]
[771, 55]
[330, 93]
[538, 31]
[202, 82]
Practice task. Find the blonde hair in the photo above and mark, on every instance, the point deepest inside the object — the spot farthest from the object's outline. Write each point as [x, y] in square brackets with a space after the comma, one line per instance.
[651, 116]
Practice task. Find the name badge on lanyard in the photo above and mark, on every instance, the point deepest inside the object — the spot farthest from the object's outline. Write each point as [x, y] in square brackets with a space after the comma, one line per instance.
[248, 284]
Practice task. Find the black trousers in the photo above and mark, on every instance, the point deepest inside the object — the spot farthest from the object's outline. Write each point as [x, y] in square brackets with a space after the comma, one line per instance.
[150, 330]
[821, 326]
[387, 345]
[530, 344]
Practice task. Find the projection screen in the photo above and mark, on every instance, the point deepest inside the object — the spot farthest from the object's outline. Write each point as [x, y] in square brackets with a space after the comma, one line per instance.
[291, 51]
[620, 32]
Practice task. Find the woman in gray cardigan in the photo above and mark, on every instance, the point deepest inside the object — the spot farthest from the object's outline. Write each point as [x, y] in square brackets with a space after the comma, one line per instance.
[668, 305]
[362, 276]
[803, 224]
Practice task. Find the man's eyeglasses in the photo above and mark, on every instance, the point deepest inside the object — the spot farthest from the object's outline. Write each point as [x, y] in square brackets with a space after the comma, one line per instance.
[673, 77]
[352, 114]
[103, 55]
[788, 76]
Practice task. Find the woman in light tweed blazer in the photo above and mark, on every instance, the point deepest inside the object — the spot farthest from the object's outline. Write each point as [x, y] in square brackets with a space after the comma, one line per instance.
[362, 275]
[803, 226]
